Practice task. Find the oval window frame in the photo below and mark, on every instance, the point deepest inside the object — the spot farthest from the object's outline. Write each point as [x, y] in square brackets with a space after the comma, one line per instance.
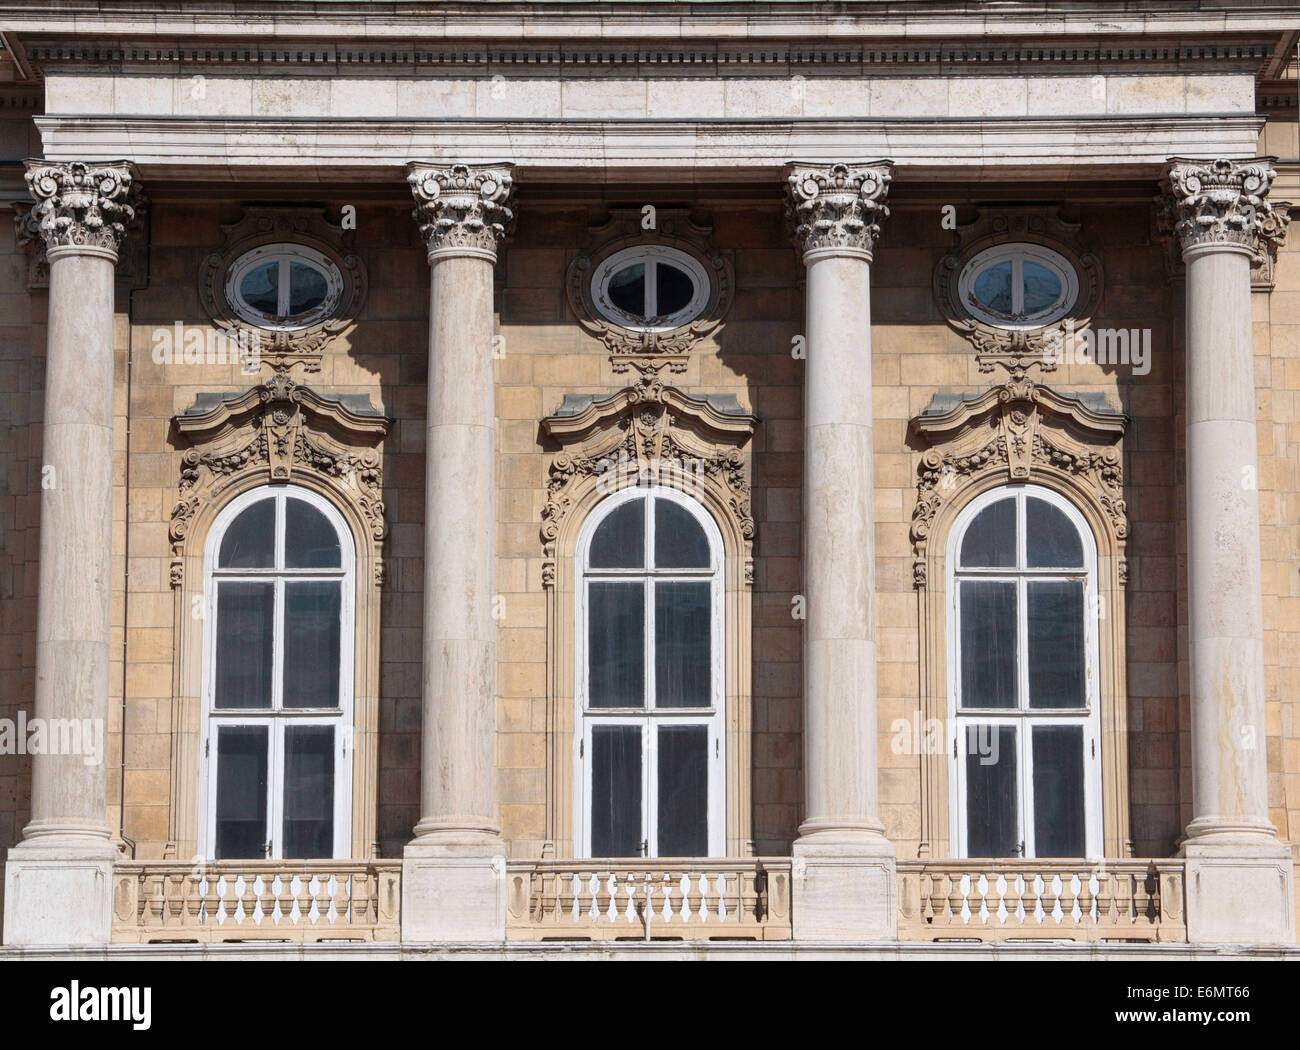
[613, 263]
[284, 251]
[1019, 252]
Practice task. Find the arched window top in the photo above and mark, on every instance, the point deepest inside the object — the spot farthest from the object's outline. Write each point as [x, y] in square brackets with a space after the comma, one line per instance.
[284, 528]
[651, 529]
[1023, 528]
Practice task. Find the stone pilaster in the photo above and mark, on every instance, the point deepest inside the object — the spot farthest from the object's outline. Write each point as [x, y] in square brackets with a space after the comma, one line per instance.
[1239, 879]
[453, 883]
[844, 881]
[58, 880]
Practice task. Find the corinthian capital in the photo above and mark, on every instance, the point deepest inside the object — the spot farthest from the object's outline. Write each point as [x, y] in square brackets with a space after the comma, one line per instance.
[462, 209]
[838, 206]
[1222, 202]
[85, 207]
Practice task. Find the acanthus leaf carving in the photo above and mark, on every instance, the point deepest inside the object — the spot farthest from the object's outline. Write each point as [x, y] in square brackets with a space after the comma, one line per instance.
[838, 206]
[462, 207]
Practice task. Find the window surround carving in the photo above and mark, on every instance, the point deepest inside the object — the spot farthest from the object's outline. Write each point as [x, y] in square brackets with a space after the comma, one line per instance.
[647, 434]
[275, 433]
[1021, 433]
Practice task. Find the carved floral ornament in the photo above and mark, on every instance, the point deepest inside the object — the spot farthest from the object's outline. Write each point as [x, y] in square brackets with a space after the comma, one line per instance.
[87, 206]
[1017, 349]
[462, 208]
[1019, 432]
[276, 432]
[648, 433]
[838, 206]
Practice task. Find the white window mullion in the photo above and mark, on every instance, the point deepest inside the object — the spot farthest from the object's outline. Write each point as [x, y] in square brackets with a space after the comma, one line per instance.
[282, 289]
[651, 288]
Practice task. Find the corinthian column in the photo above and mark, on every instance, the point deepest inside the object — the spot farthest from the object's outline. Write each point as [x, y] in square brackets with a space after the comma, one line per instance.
[453, 882]
[58, 880]
[844, 865]
[1239, 875]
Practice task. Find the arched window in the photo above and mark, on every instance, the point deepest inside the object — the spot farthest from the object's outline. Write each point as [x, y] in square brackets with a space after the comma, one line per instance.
[277, 679]
[1023, 678]
[650, 679]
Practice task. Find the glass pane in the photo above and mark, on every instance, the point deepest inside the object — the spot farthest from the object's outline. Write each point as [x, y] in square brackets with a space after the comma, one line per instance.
[249, 542]
[675, 289]
[626, 290]
[680, 542]
[245, 619]
[992, 288]
[1042, 287]
[988, 643]
[308, 791]
[1056, 663]
[616, 643]
[990, 540]
[616, 791]
[683, 791]
[1058, 791]
[241, 792]
[307, 288]
[311, 642]
[260, 288]
[992, 825]
[310, 541]
[682, 644]
[1051, 540]
[619, 542]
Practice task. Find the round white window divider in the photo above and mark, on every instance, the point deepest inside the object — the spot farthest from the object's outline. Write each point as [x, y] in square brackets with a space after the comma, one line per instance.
[277, 263]
[1019, 271]
[652, 259]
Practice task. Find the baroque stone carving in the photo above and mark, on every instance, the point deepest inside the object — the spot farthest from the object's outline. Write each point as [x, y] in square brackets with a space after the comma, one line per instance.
[838, 205]
[272, 431]
[673, 228]
[1023, 431]
[1016, 350]
[278, 348]
[1223, 202]
[462, 208]
[648, 433]
[82, 205]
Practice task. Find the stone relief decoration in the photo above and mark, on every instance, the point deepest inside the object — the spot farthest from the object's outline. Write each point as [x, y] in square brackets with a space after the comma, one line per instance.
[282, 348]
[630, 348]
[462, 208]
[1017, 349]
[649, 433]
[1223, 202]
[837, 206]
[1018, 431]
[274, 432]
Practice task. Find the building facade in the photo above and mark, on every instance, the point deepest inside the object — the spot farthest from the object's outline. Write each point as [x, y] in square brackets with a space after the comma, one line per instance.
[510, 474]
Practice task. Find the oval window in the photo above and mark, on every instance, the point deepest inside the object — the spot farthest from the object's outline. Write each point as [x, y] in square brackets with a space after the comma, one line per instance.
[650, 289]
[1018, 286]
[284, 286]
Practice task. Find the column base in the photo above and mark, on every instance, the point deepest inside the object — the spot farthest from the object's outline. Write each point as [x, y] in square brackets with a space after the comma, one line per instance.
[454, 890]
[844, 887]
[59, 895]
[1240, 893]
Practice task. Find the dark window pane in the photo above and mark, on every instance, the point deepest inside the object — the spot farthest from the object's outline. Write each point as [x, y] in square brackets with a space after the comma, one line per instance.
[260, 288]
[1058, 791]
[1051, 540]
[311, 643]
[626, 290]
[992, 288]
[992, 825]
[249, 542]
[683, 791]
[308, 791]
[1042, 287]
[680, 542]
[241, 792]
[245, 618]
[616, 643]
[310, 541]
[990, 540]
[307, 288]
[988, 643]
[616, 791]
[682, 644]
[1056, 663]
[675, 289]
[619, 542]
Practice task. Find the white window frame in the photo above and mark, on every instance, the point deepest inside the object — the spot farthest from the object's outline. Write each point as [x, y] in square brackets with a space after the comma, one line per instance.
[649, 717]
[1024, 717]
[1018, 254]
[284, 254]
[277, 718]
[650, 255]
